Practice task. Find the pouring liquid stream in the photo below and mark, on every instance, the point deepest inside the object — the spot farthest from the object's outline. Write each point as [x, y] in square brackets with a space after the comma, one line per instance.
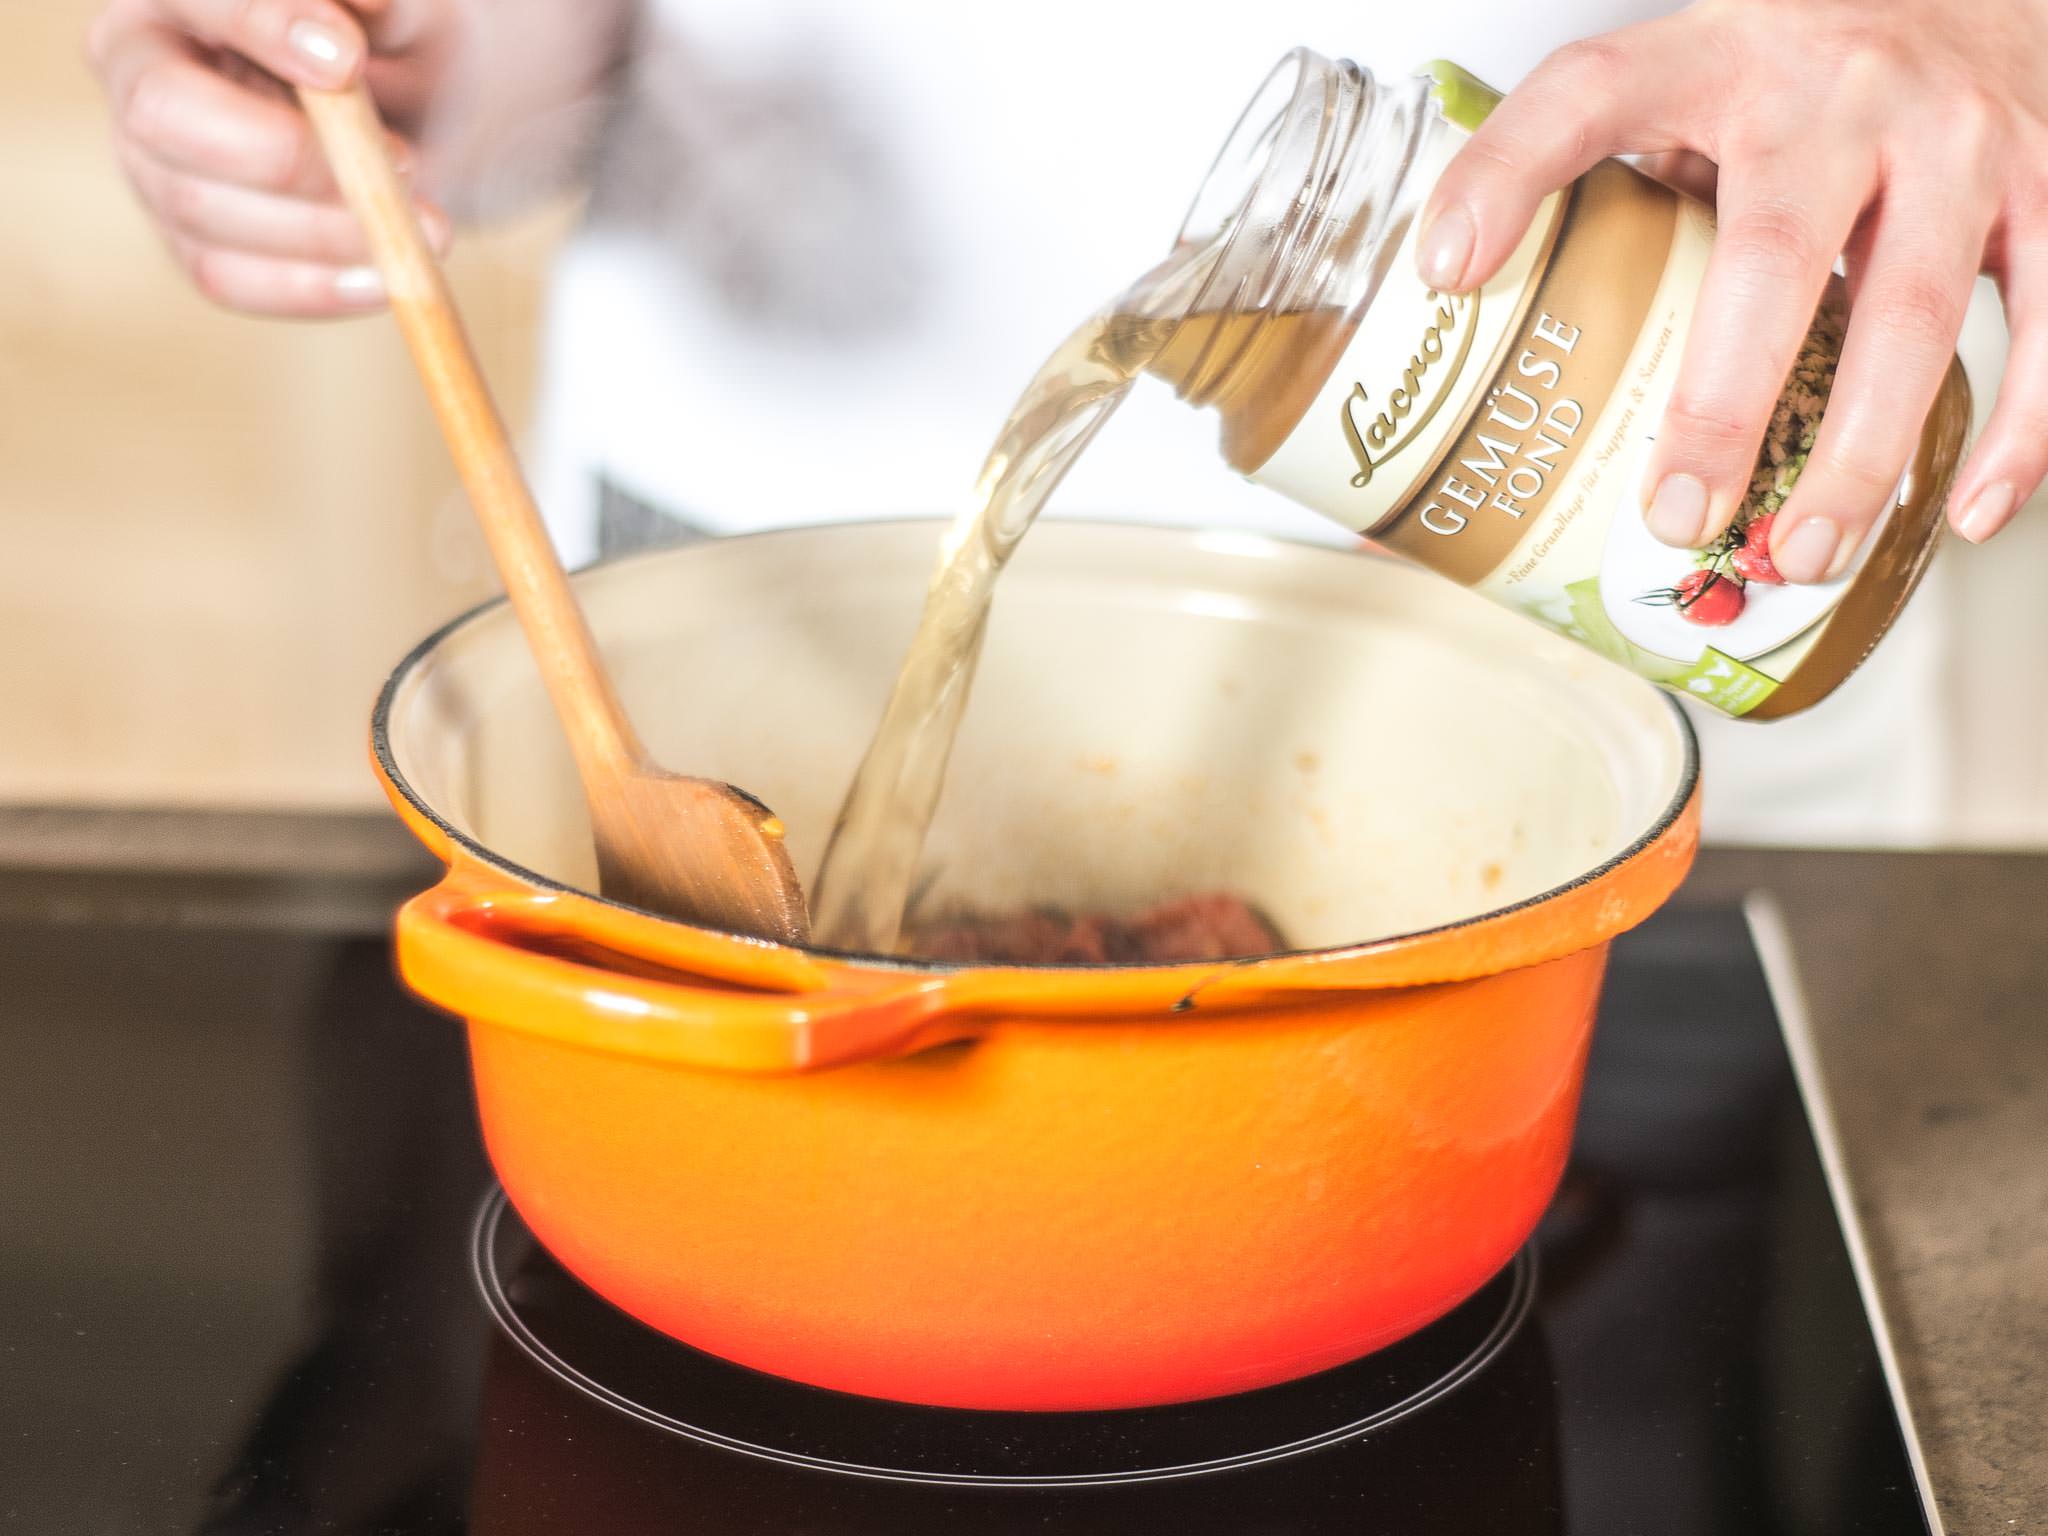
[871, 862]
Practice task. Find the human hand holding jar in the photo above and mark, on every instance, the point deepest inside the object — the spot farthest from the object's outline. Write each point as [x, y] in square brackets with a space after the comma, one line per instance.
[1885, 131]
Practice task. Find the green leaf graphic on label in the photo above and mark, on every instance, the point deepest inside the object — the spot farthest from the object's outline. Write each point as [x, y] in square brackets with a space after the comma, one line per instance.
[1590, 626]
[1462, 97]
[1731, 686]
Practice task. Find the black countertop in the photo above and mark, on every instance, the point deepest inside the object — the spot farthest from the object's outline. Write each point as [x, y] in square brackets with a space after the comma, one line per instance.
[1926, 980]
[1924, 974]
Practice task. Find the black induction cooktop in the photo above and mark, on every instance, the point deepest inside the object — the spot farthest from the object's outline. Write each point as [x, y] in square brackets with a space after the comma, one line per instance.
[254, 1278]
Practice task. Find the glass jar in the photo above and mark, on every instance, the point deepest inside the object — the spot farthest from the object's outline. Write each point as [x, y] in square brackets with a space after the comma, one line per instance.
[1500, 437]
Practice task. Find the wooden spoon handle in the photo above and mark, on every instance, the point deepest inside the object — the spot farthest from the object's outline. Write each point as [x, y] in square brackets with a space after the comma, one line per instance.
[353, 136]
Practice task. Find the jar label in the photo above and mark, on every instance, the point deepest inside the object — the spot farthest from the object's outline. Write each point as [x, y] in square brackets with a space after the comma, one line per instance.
[1403, 391]
[1501, 438]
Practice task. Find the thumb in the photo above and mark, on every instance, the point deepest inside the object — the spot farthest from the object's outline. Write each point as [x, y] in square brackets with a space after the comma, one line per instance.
[1624, 91]
[316, 43]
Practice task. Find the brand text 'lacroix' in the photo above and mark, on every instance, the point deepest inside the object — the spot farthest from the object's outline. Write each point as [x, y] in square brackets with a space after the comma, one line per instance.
[1406, 412]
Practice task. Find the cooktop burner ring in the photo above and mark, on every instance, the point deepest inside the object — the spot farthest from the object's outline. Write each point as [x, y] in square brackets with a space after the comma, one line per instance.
[1474, 1334]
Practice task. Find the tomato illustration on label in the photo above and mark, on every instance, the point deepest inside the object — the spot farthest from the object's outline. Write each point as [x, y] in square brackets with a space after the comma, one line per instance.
[1752, 557]
[1704, 597]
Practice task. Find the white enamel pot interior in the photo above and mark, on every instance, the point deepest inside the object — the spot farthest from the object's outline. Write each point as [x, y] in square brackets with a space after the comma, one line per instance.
[1358, 747]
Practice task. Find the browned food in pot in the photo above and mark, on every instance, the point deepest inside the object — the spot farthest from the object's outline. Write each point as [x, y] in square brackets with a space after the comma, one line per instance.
[1210, 926]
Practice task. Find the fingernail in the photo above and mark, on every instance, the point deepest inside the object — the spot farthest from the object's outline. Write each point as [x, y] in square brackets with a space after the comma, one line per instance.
[1445, 249]
[1677, 514]
[359, 285]
[1809, 551]
[440, 230]
[321, 49]
[1987, 512]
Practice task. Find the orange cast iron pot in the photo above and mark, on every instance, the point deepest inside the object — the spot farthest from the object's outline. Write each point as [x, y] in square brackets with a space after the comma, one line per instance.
[1009, 1188]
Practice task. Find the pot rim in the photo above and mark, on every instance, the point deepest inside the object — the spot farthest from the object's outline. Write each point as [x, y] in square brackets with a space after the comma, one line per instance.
[397, 784]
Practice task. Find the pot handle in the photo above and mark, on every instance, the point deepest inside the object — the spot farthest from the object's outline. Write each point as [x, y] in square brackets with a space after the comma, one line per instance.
[497, 954]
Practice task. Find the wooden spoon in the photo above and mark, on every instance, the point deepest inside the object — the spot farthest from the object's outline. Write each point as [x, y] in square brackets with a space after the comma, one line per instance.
[691, 848]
